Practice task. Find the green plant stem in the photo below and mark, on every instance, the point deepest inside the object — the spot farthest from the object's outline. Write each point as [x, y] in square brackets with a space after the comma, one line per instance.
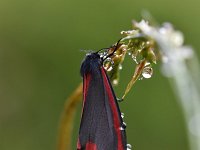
[137, 73]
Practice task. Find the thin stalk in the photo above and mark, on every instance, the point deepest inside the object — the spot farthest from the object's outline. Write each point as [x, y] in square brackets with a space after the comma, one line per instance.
[67, 119]
[137, 73]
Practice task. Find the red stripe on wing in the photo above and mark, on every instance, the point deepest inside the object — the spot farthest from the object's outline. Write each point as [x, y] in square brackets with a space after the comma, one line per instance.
[91, 146]
[78, 145]
[114, 109]
[86, 83]
[86, 80]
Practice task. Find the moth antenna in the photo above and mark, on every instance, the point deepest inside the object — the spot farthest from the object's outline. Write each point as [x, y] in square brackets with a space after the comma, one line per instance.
[113, 50]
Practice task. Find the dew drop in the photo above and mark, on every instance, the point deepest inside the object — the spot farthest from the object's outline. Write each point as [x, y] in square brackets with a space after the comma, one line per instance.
[115, 81]
[124, 125]
[122, 115]
[121, 128]
[134, 59]
[110, 68]
[101, 55]
[120, 67]
[128, 146]
[128, 32]
[105, 53]
[124, 49]
[117, 56]
[108, 59]
[123, 32]
[129, 53]
[108, 64]
[120, 99]
[141, 78]
[147, 72]
[147, 64]
[148, 42]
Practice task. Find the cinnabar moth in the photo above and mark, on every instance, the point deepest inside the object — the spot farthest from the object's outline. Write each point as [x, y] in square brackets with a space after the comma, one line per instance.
[102, 127]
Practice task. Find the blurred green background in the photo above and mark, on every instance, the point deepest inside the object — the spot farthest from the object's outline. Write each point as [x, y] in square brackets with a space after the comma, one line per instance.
[40, 43]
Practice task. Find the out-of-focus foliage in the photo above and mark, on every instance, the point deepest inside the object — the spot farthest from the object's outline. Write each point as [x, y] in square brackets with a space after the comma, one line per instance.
[40, 43]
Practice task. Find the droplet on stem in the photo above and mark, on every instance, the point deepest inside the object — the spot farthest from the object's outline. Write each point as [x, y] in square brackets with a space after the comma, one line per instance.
[108, 64]
[120, 67]
[129, 53]
[120, 99]
[147, 72]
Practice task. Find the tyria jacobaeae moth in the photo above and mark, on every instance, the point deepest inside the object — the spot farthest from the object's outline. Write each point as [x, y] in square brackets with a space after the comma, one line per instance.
[102, 127]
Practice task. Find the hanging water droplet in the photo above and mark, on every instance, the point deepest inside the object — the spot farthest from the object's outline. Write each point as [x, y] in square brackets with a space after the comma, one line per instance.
[120, 99]
[124, 125]
[128, 146]
[101, 55]
[134, 59]
[141, 78]
[110, 68]
[117, 56]
[129, 53]
[108, 60]
[124, 49]
[105, 54]
[147, 64]
[123, 32]
[122, 115]
[111, 61]
[148, 42]
[147, 72]
[120, 66]
[108, 64]
[121, 128]
[115, 81]
[128, 32]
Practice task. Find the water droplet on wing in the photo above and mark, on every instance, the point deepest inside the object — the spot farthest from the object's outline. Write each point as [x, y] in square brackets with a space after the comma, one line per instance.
[128, 146]
[124, 125]
[121, 128]
[122, 115]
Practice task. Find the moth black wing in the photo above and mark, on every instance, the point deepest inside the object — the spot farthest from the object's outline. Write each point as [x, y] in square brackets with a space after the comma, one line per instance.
[101, 121]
